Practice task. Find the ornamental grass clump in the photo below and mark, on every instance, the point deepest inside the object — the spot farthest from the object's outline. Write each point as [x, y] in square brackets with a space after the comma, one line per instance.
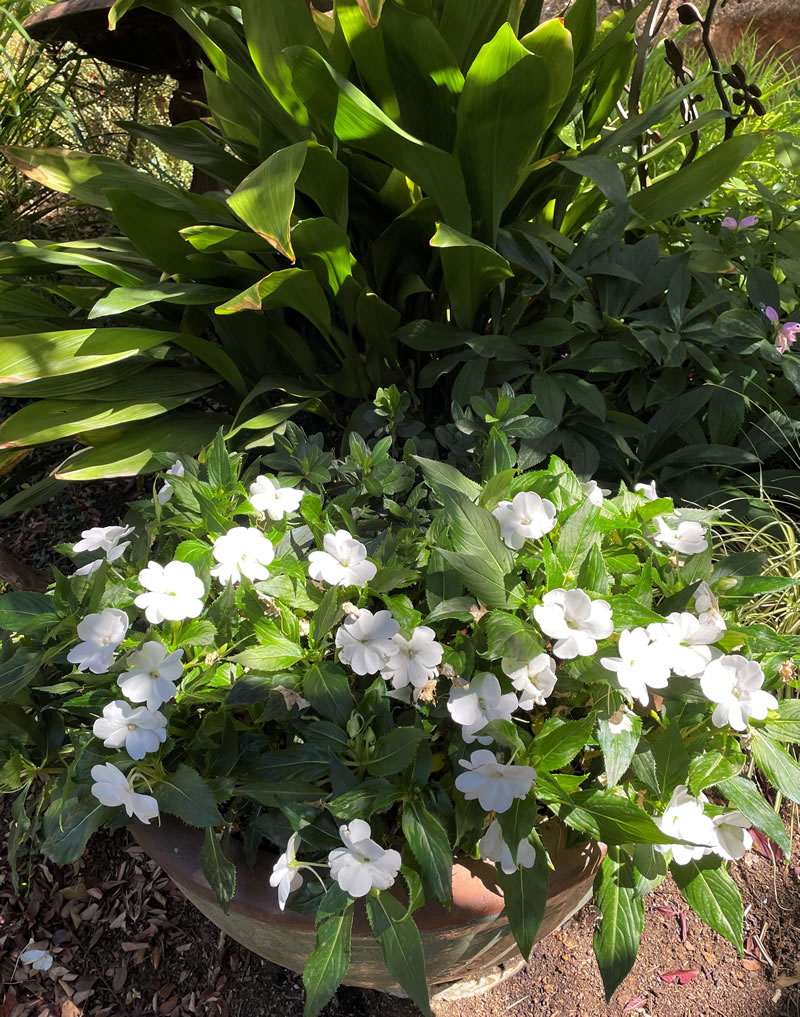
[372, 678]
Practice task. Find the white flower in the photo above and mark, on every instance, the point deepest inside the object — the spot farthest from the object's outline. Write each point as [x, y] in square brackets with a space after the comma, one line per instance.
[266, 495]
[493, 783]
[151, 675]
[164, 493]
[140, 730]
[574, 621]
[101, 634]
[38, 960]
[285, 874]
[361, 864]
[685, 819]
[527, 517]
[647, 491]
[242, 551]
[365, 641]
[413, 661]
[689, 538]
[474, 705]
[733, 836]
[102, 538]
[535, 680]
[640, 665]
[594, 493]
[111, 787]
[343, 562]
[494, 849]
[734, 683]
[685, 641]
[175, 592]
[707, 607]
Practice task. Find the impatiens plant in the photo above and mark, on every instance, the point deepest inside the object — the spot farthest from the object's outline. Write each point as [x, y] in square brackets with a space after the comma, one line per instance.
[375, 664]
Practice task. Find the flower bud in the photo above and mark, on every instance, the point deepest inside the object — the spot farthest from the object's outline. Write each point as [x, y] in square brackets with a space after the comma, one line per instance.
[688, 14]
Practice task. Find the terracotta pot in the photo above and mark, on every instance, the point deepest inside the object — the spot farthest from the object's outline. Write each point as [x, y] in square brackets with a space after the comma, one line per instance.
[465, 943]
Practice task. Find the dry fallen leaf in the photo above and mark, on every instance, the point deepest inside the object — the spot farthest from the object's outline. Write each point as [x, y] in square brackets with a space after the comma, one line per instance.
[682, 975]
[636, 1004]
[787, 980]
[751, 964]
[68, 1009]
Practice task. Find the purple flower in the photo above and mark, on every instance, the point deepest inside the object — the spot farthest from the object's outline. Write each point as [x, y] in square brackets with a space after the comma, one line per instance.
[772, 315]
[787, 335]
[730, 223]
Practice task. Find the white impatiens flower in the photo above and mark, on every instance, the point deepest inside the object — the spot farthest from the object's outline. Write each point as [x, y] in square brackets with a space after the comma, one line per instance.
[494, 849]
[526, 517]
[707, 607]
[101, 634]
[242, 551]
[343, 562]
[640, 666]
[688, 538]
[494, 784]
[685, 819]
[685, 641]
[734, 683]
[733, 836]
[102, 538]
[165, 492]
[594, 493]
[174, 592]
[362, 865]
[474, 705]
[111, 787]
[574, 621]
[647, 491]
[365, 641]
[413, 661]
[266, 495]
[151, 675]
[38, 960]
[138, 729]
[285, 872]
[534, 681]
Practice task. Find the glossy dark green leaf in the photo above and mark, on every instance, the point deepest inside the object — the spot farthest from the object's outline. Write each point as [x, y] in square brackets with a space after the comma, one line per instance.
[428, 841]
[23, 611]
[395, 751]
[471, 270]
[525, 895]
[780, 768]
[712, 768]
[401, 946]
[713, 896]
[559, 743]
[328, 962]
[743, 795]
[326, 687]
[67, 831]
[616, 941]
[218, 870]
[186, 795]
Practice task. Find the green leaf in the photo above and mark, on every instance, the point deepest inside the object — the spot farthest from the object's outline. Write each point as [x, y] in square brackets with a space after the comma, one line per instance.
[401, 945]
[278, 654]
[671, 759]
[440, 475]
[67, 829]
[578, 536]
[713, 896]
[326, 615]
[785, 727]
[616, 942]
[525, 896]
[471, 271]
[481, 577]
[328, 962]
[518, 823]
[559, 743]
[371, 795]
[509, 637]
[618, 748]
[601, 814]
[25, 612]
[552, 42]
[129, 298]
[264, 200]
[186, 795]
[712, 768]
[293, 287]
[327, 689]
[743, 795]
[780, 768]
[476, 531]
[428, 841]
[18, 672]
[395, 751]
[218, 870]
[465, 24]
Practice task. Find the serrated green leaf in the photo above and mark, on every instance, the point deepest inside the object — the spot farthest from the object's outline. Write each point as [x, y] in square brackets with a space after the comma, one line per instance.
[186, 795]
[616, 941]
[328, 690]
[712, 768]
[218, 870]
[713, 896]
[560, 743]
[279, 654]
[67, 831]
[525, 896]
[328, 962]
[781, 769]
[24, 612]
[743, 795]
[671, 760]
[371, 795]
[399, 939]
[395, 751]
[618, 747]
[429, 843]
[783, 727]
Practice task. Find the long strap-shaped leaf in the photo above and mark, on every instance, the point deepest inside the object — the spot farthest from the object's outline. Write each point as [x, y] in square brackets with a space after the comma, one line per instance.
[400, 942]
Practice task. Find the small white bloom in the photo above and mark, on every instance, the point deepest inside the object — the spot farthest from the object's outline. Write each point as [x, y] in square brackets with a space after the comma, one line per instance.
[361, 864]
[688, 538]
[526, 517]
[138, 729]
[285, 874]
[343, 562]
[101, 634]
[707, 607]
[242, 551]
[493, 783]
[102, 538]
[413, 661]
[266, 495]
[151, 675]
[494, 849]
[165, 492]
[733, 836]
[685, 819]
[647, 491]
[574, 621]
[38, 960]
[474, 705]
[111, 787]
[365, 641]
[594, 493]
[685, 641]
[640, 665]
[174, 592]
[534, 681]
[734, 683]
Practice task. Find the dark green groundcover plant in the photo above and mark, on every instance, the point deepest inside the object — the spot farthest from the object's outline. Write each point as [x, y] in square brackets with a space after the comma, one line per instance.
[375, 663]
